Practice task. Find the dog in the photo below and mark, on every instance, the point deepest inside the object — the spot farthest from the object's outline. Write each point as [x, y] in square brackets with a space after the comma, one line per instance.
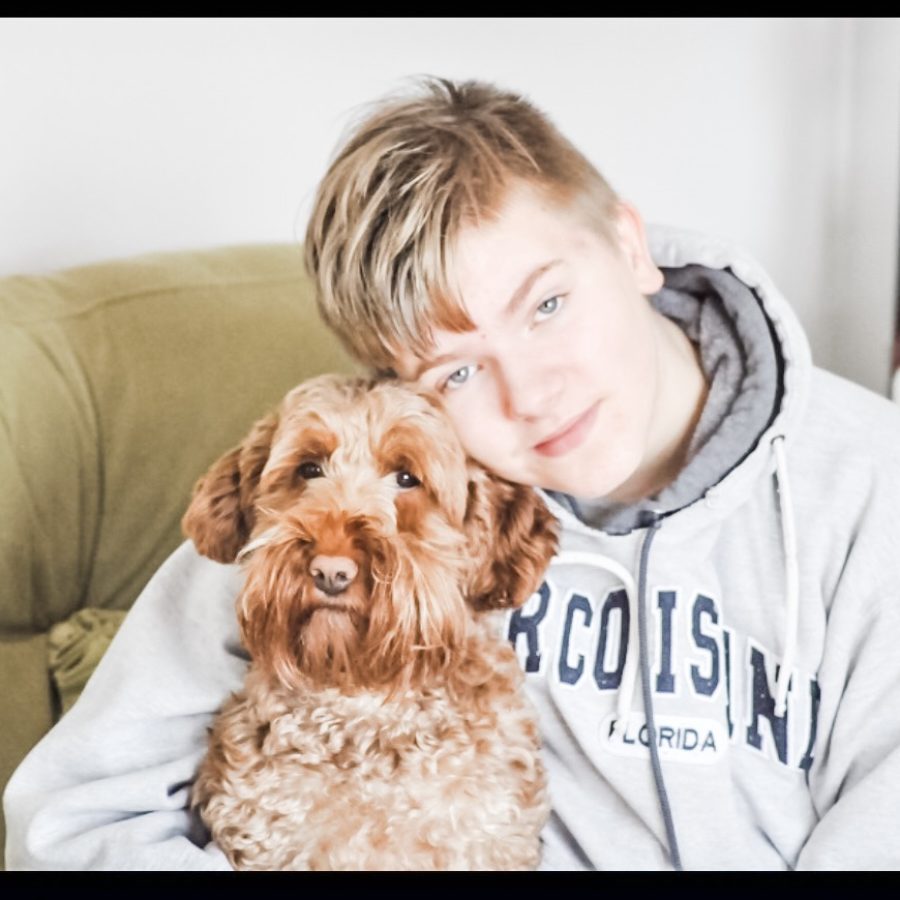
[382, 723]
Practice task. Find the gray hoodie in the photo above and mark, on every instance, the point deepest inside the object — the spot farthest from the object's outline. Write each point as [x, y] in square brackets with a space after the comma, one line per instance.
[766, 609]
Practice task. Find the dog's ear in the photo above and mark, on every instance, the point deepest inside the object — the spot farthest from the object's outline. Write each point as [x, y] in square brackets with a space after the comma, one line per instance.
[512, 536]
[220, 516]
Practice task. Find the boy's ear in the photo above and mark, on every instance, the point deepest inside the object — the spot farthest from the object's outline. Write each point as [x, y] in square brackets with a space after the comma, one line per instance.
[512, 537]
[632, 240]
[220, 516]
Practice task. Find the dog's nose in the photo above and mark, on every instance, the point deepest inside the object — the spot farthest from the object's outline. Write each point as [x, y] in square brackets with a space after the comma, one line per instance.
[332, 574]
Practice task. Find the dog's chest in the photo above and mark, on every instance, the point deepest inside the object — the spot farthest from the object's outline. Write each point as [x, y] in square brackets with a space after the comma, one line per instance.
[368, 737]
[416, 781]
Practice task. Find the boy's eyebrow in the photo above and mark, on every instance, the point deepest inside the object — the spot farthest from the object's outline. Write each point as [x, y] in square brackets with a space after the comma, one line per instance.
[426, 364]
[523, 289]
[518, 297]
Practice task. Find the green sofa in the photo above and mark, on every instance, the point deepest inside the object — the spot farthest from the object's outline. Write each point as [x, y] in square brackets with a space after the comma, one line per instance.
[119, 384]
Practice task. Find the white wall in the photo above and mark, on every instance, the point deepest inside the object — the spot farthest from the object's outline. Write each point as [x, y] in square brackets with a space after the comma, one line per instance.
[864, 234]
[125, 136]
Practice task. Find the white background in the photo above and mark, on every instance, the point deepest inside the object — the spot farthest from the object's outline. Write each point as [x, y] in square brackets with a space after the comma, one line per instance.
[120, 137]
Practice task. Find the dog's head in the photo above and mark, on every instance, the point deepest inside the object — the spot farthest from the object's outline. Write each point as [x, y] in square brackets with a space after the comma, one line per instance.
[367, 537]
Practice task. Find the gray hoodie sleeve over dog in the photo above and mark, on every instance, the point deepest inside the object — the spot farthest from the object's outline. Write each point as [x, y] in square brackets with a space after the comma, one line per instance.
[768, 581]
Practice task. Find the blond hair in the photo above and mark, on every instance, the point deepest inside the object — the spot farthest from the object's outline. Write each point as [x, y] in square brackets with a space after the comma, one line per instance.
[392, 203]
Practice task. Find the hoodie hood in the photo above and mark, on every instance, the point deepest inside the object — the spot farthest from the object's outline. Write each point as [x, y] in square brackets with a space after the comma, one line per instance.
[732, 337]
[674, 248]
[683, 255]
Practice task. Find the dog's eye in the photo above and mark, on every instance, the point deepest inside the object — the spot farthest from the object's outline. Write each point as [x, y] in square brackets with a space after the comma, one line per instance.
[405, 480]
[309, 469]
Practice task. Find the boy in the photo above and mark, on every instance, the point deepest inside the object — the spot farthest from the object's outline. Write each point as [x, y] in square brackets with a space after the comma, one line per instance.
[728, 519]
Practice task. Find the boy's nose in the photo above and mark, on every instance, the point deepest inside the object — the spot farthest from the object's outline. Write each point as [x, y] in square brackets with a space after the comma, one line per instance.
[332, 574]
[531, 390]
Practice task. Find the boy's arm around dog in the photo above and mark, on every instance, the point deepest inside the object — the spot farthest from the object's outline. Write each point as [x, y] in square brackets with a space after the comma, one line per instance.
[108, 787]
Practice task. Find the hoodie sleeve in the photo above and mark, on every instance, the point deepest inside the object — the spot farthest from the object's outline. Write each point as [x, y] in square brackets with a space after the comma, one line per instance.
[854, 780]
[108, 786]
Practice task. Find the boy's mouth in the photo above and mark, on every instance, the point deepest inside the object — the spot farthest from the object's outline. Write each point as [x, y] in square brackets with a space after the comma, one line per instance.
[570, 435]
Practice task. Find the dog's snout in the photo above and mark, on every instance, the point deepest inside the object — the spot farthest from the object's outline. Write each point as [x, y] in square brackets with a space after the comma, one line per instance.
[332, 574]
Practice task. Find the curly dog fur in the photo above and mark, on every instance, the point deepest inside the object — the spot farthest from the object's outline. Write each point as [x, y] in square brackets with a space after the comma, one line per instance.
[382, 723]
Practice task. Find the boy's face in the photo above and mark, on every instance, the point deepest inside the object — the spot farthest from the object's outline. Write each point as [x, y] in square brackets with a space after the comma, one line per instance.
[558, 385]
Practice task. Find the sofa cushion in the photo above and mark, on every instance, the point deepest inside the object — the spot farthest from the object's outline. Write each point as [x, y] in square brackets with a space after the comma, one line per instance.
[76, 645]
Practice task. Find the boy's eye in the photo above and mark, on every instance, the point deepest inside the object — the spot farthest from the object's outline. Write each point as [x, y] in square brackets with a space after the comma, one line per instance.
[549, 306]
[459, 377]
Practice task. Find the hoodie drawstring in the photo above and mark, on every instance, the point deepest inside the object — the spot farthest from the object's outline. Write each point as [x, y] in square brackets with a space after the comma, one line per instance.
[791, 575]
[651, 521]
[637, 654]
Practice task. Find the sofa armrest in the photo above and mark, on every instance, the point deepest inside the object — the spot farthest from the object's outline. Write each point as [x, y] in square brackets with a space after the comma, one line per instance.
[27, 704]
